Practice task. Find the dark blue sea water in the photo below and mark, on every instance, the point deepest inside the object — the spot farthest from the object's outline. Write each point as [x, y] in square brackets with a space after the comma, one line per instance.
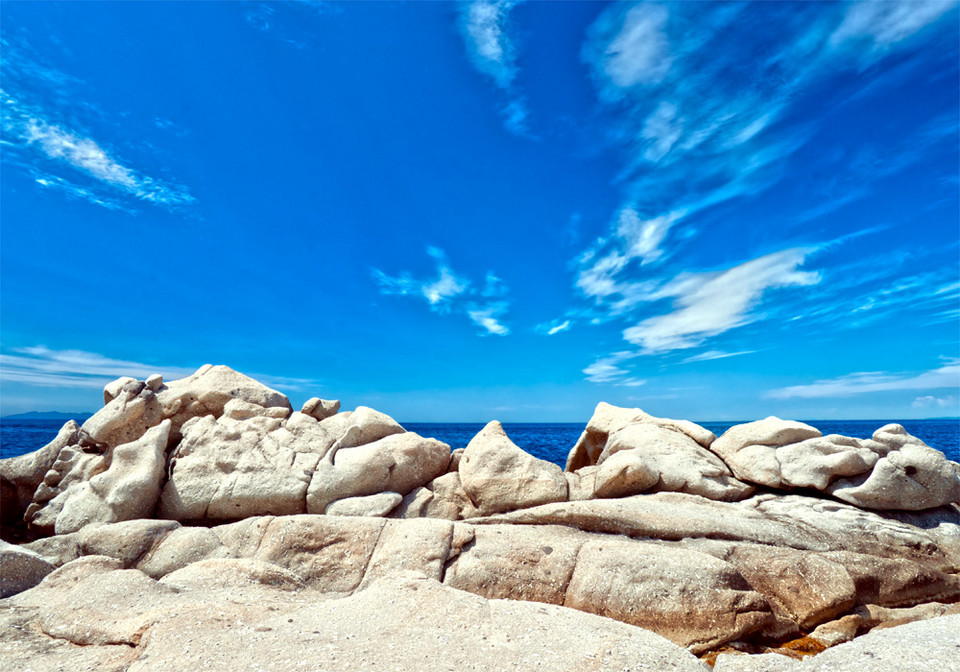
[548, 441]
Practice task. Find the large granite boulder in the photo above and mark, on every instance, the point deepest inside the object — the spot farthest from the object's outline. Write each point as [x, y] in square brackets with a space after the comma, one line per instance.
[891, 471]
[909, 476]
[498, 476]
[397, 463]
[20, 569]
[122, 484]
[234, 614]
[254, 460]
[21, 476]
[653, 457]
[607, 419]
[131, 407]
[443, 497]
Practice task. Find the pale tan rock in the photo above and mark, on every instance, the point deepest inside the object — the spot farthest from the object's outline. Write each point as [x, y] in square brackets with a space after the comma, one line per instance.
[129, 488]
[455, 456]
[232, 573]
[130, 541]
[608, 419]
[517, 563]
[154, 382]
[872, 615]
[380, 505]
[178, 548]
[72, 467]
[79, 569]
[761, 662]
[664, 459]
[397, 463]
[133, 411]
[242, 465]
[812, 463]
[624, 473]
[805, 586]
[410, 547]
[395, 624]
[694, 600]
[498, 476]
[112, 389]
[443, 497]
[321, 409]
[582, 484]
[367, 426]
[20, 569]
[792, 521]
[208, 390]
[911, 476]
[928, 645]
[329, 553]
[898, 581]
[771, 431]
[839, 631]
[21, 476]
[816, 463]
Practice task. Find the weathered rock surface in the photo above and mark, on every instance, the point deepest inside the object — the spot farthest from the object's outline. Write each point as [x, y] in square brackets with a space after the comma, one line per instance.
[443, 497]
[498, 476]
[608, 419]
[253, 460]
[378, 505]
[654, 526]
[122, 485]
[771, 431]
[396, 463]
[690, 598]
[649, 456]
[806, 587]
[932, 644]
[185, 622]
[910, 476]
[21, 476]
[20, 569]
[893, 470]
[320, 409]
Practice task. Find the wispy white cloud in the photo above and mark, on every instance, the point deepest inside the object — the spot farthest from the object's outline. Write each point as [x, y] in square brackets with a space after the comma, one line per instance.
[945, 376]
[715, 354]
[708, 304]
[888, 22]
[483, 23]
[449, 291]
[610, 370]
[488, 316]
[694, 136]
[934, 402]
[638, 53]
[554, 327]
[41, 366]
[439, 291]
[491, 50]
[60, 156]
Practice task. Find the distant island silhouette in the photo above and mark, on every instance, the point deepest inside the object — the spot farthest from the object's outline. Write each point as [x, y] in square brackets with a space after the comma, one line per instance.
[48, 415]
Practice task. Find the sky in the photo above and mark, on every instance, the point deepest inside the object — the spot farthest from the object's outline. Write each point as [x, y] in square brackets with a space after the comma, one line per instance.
[487, 210]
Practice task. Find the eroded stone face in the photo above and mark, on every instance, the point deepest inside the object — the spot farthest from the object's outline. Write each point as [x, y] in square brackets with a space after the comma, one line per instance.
[498, 476]
[671, 461]
[608, 419]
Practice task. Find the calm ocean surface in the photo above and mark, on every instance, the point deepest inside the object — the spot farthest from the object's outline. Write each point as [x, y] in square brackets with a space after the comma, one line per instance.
[547, 441]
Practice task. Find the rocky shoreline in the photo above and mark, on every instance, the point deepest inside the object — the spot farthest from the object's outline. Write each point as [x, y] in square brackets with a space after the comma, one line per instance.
[202, 523]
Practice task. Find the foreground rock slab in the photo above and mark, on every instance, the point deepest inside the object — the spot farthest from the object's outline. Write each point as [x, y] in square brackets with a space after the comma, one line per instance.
[269, 623]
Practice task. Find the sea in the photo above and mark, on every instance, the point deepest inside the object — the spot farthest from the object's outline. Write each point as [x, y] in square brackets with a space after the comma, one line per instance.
[548, 441]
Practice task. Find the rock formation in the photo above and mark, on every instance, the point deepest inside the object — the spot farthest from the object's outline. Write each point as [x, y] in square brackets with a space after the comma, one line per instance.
[207, 506]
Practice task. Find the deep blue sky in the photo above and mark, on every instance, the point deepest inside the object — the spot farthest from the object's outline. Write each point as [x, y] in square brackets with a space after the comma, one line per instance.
[490, 209]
